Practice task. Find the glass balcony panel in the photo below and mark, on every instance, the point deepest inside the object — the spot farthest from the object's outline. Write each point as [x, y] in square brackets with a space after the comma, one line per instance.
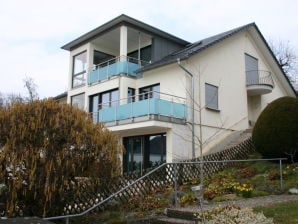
[107, 114]
[152, 106]
[112, 68]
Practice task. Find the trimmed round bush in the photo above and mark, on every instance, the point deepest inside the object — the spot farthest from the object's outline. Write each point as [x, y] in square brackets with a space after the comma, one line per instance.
[276, 131]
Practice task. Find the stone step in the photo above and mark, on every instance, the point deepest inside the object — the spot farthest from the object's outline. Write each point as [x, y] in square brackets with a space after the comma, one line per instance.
[180, 214]
[167, 220]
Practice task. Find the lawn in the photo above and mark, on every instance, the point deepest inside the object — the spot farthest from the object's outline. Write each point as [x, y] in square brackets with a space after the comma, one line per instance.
[282, 213]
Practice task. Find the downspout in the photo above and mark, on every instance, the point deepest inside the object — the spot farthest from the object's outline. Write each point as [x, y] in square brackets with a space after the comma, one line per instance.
[193, 107]
[193, 121]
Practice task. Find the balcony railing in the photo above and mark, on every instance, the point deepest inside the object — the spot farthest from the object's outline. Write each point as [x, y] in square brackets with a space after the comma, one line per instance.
[259, 77]
[259, 82]
[165, 105]
[116, 66]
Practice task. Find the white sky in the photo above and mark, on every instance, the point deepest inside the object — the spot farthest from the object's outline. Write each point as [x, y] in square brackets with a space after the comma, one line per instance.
[33, 31]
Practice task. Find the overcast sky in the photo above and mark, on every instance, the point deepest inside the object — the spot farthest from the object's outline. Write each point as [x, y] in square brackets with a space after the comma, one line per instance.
[33, 31]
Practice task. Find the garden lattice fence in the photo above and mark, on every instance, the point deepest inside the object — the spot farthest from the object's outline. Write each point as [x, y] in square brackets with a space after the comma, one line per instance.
[123, 188]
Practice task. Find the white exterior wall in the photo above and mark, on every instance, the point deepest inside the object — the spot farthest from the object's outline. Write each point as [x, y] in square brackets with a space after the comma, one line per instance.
[222, 65]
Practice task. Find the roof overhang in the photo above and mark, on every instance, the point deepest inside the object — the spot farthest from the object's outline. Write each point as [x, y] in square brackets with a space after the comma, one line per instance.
[118, 21]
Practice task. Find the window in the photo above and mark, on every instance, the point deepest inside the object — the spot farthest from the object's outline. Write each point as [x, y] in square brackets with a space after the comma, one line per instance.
[78, 101]
[79, 69]
[131, 95]
[145, 54]
[143, 152]
[211, 96]
[104, 100]
[149, 92]
[251, 69]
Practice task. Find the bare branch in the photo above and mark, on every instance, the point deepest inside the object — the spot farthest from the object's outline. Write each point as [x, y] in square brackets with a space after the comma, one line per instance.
[31, 88]
[287, 59]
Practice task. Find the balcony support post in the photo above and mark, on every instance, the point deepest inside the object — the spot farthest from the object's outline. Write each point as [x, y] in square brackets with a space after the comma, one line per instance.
[123, 43]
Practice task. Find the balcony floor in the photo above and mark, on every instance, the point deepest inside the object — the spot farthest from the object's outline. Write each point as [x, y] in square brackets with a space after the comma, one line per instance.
[253, 90]
[151, 117]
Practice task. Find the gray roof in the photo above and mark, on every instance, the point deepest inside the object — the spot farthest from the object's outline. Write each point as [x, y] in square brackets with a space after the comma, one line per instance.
[203, 44]
[118, 21]
[60, 96]
[194, 48]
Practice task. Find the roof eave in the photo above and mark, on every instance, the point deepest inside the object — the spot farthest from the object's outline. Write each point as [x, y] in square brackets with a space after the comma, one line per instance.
[122, 19]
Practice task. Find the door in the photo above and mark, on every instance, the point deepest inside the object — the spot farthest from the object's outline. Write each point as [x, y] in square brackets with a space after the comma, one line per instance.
[251, 68]
[143, 152]
[133, 157]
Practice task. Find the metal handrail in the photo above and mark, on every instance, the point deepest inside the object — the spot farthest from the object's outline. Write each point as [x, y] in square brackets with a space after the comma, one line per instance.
[263, 78]
[67, 217]
[116, 59]
[108, 198]
[118, 102]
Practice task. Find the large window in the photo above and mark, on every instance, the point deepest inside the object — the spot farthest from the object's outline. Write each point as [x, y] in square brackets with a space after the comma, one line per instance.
[145, 54]
[109, 99]
[149, 92]
[79, 69]
[211, 96]
[103, 100]
[78, 101]
[143, 152]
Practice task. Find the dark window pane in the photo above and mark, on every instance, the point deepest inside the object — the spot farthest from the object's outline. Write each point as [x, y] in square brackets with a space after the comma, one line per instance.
[130, 95]
[149, 92]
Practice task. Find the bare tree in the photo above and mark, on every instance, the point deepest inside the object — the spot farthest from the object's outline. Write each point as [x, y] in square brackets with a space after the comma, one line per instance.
[8, 99]
[31, 88]
[287, 59]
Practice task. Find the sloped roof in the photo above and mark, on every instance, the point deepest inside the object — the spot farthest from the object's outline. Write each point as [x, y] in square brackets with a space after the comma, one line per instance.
[60, 96]
[203, 44]
[194, 48]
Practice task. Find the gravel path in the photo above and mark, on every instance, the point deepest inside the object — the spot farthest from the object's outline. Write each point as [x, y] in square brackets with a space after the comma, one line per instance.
[248, 202]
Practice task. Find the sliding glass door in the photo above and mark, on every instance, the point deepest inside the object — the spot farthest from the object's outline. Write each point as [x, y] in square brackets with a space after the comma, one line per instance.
[143, 152]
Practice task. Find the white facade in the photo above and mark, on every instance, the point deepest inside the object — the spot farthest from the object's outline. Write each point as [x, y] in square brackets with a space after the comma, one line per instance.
[221, 66]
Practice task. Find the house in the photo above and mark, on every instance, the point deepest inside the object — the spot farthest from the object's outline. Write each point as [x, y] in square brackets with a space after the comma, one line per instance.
[166, 98]
[61, 98]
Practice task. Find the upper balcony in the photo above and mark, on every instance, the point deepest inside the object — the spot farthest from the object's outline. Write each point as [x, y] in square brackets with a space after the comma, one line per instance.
[259, 82]
[122, 65]
[150, 106]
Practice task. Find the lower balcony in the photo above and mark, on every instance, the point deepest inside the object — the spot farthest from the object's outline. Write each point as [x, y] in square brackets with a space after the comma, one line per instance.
[116, 66]
[259, 82]
[147, 109]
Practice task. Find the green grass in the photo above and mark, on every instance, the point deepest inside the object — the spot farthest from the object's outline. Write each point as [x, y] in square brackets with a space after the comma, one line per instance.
[282, 213]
